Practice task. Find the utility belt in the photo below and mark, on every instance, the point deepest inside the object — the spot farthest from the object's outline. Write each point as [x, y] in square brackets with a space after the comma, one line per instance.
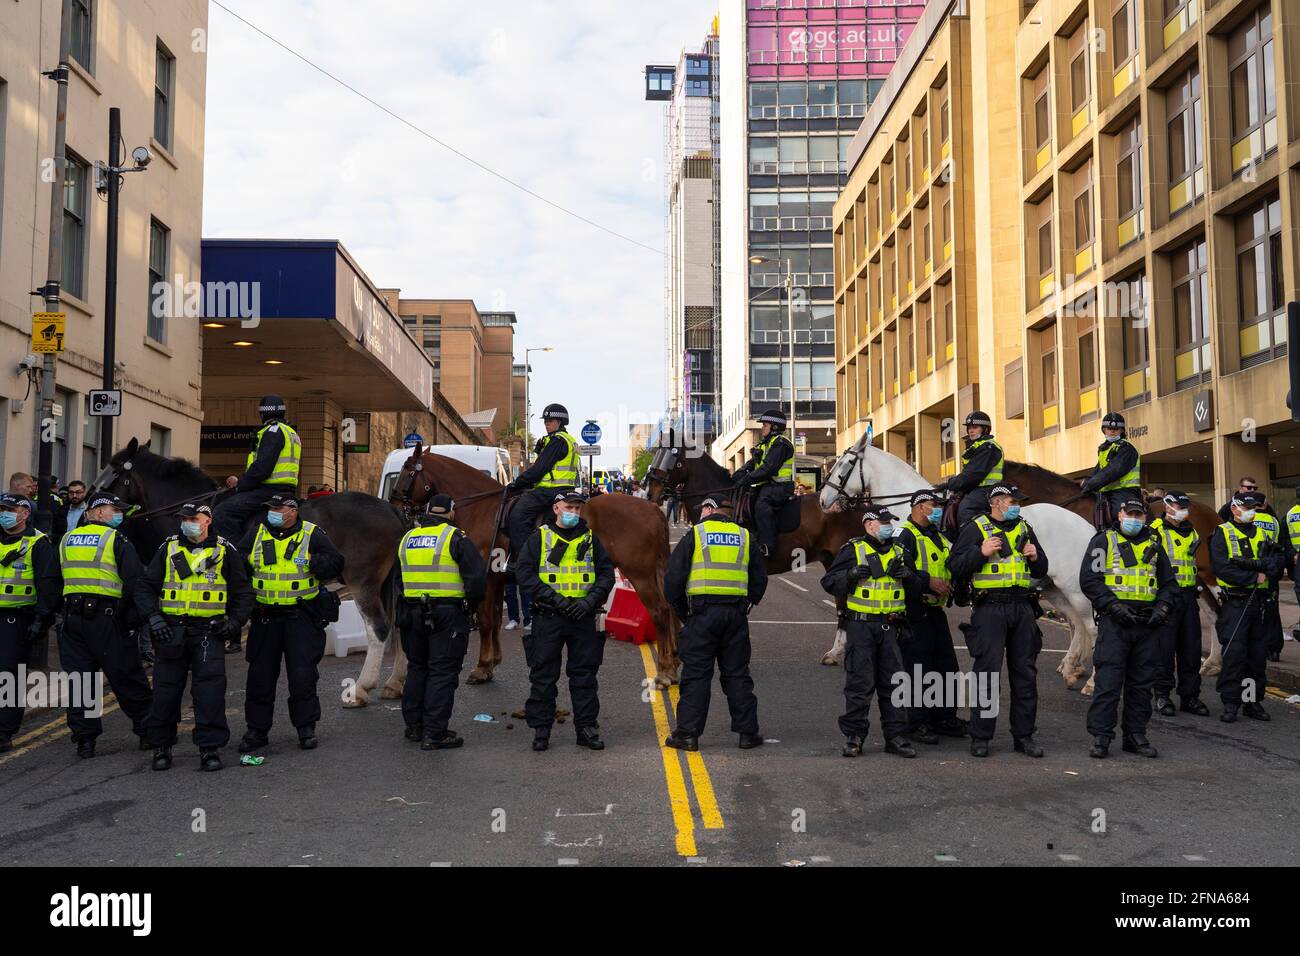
[896, 618]
[701, 601]
[1240, 596]
[90, 605]
[194, 625]
[280, 610]
[427, 601]
[1003, 596]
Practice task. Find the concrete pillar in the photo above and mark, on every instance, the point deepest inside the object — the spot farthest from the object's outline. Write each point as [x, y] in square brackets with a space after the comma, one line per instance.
[929, 452]
[896, 444]
[1234, 458]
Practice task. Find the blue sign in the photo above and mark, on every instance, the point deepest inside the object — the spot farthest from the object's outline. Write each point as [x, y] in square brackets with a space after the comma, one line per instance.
[591, 433]
[412, 440]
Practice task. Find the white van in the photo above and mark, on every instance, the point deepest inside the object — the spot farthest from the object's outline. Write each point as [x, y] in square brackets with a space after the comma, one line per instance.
[493, 462]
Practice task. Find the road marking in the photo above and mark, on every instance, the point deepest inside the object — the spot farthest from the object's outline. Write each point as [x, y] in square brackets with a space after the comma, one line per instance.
[567, 861]
[1193, 858]
[945, 858]
[697, 859]
[704, 794]
[1069, 857]
[677, 799]
[608, 811]
[797, 587]
[828, 603]
[63, 731]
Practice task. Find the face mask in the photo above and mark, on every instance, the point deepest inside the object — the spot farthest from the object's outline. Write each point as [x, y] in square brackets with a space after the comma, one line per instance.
[1111, 437]
[192, 529]
[886, 532]
[568, 519]
[115, 519]
[8, 520]
[1247, 516]
[274, 519]
[936, 515]
[1013, 512]
[1180, 515]
[1131, 525]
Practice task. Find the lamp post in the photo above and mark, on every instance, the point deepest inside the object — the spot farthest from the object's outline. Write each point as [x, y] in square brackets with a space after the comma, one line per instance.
[788, 284]
[528, 372]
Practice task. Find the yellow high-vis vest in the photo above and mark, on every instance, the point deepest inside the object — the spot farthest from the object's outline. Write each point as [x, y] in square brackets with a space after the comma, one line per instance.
[785, 474]
[931, 558]
[288, 578]
[428, 569]
[994, 476]
[564, 473]
[999, 572]
[287, 464]
[88, 561]
[1240, 544]
[1136, 583]
[1130, 479]
[879, 594]
[1180, 547]
[573, 574]
[720, 562]
[17, 575]
[202, 592]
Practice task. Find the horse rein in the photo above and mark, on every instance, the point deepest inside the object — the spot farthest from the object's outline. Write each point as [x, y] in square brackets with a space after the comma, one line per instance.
[123, 471]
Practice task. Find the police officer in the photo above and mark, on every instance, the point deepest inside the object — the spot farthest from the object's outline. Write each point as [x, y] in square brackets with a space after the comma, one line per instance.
[1126, 575]
[443, 579]
[770, 470]
[1179, 640]
[1278, 542]
[713, 577]
[928, 641]
[870, 575]
[272, 468]
[981, 468]
[1243, 566]
[291, 561]
[565, 569]
[29, 596]
[1001, 555]
[555, 470]
[1118, 475]
[1246, 485]
[194, 594]
[1293, 537]
[100, 572]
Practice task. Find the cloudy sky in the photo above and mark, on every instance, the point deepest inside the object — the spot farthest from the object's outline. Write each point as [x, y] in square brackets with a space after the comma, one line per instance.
[549, 94]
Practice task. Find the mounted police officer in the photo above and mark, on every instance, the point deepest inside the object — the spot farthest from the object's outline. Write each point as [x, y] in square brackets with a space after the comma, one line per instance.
[981, 468]
[872, 577]
[556, 469]
[443, 579]
[1244, 566]
[1126, 575]
[565, 569]
[272, 468]
[29, 597]
[100, 572]
[1180, 639]
[770, 471]
[1000, 554]
[194, 594]
[291, 561]
[1118, 475]
[928, 643]
[713, 577]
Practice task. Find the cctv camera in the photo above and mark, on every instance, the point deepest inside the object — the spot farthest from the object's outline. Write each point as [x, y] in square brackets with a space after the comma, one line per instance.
[27, 362]
[142, 156]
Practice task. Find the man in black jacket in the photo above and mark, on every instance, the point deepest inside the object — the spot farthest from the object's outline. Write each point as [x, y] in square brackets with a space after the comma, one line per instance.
[714, 576]
[565, 569]
[555, 469]
[982, 463]
[1118, 475]
[1126, 575]
[272, 467]
[770, 471]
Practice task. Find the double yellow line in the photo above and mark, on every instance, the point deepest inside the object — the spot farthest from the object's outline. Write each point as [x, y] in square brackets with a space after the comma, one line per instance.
[51, 730]
[678, 798]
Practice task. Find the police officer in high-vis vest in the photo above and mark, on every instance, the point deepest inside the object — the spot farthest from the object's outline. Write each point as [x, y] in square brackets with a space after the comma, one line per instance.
[872, 578]
[981, 468]
[928, 643]
[194, 593]
[1180, 638]
[555, 470]
[1126, 575]
[714, 575]
[443, 578]
[1001, 555]
[1244, 567]
[565, 569]
[1278, 543]
[770, 471]
[272, 468]
[1118, 475]
[1293, 536]
[29, 596]
[100, 571]
[291, 561]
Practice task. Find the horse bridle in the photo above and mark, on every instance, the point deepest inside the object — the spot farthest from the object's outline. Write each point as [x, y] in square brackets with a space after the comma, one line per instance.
[856, 458]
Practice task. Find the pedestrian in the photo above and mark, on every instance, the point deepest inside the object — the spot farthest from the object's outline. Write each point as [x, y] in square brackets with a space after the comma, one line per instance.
[76, 503]
[1118, 475]
[29, 598]
[1126, 575]
[673, 502]
[1179, 641]
[1000, 554]
[195, 594]
[714, 576]
[518, 606]
[291, 561]
[100, 571]
[443, 579]
[272, 467]
[770, 471]
[565, 570]
[871, 577]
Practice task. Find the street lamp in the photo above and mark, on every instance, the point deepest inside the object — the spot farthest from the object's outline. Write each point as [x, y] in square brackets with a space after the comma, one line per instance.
[788, 284]
[528, 371]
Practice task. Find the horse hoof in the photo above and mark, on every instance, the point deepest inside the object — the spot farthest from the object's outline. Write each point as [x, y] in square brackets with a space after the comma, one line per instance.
[479, 675]
[830, 659]
[1087, 689]
[358, 698]
[391, 692]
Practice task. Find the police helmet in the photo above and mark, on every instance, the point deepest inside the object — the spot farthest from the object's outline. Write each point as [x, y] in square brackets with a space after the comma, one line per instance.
[774, 417]
[556, 411]
[978, 418]
[271, 407]
[1113, 420]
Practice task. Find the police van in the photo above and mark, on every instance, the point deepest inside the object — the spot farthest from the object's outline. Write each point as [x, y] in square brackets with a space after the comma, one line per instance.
[492, 461]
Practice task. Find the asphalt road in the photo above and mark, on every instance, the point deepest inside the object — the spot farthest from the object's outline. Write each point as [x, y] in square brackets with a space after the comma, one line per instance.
[1218, 794]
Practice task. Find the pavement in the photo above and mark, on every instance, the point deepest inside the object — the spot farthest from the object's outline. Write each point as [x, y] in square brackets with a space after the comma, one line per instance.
[1218, 794]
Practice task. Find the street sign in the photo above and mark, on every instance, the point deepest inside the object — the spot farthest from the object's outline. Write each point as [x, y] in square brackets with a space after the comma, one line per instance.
[1202, 411]
[591, 433]
[106, 402]
[413, 440]
[588, 451]
[47, 332]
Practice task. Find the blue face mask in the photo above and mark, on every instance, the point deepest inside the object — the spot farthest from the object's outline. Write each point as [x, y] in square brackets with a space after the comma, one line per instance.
[274, 519]
[8, 520]
[191, 529]
[1131, 525]
[886, 532]
[115, 519]
[936, 515]
[1112, 437]
[1013, 512]
[568, 519]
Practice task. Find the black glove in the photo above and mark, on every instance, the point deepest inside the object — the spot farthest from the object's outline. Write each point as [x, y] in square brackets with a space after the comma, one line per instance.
[1121, 615]
[898, 569]
[224, 629]
[858, 572]
[1246, 564]
[574, 609]
[546, 600]
[37, 630]
[1159, 614]
[512, 488]
[160, 632]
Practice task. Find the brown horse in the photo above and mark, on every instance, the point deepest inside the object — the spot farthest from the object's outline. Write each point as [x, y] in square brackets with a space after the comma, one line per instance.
[632, 530]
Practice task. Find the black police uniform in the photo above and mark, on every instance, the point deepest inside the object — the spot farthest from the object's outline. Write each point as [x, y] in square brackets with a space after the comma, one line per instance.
[970, 481]
[252, 492]
[1002, 624]
[435, 637]
[1179, 640]
[715, 628]
[770, 495]
[21, 626]
[536, 501]
[1241, 627]
[552, 633]
[1125, 658]
[1122, 460]
[294, 633]
[194, 649]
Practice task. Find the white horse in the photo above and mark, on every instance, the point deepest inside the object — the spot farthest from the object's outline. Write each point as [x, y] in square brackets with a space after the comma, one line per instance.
[1064, 535]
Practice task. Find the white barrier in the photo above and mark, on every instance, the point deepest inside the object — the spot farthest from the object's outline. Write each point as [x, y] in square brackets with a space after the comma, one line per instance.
[348, 633]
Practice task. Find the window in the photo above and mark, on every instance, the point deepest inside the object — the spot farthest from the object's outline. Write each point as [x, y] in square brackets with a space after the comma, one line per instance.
[1045, 264]
[1259, 283]
[1128, 179]
[1186, 151]
[1080, 89]
[1252, 88]
[1134, 322]
[1191, 316]
[1123, 32]
[1083, 208]
[159, 241]
[925, 142]
[1087, 352]
[1047, 379]
[160, 440]
[762, 151]
[762, 95]
[89, 444]
[1042, 109]
[81, 44]
[73, 280]
[943, 120]
[164, 78]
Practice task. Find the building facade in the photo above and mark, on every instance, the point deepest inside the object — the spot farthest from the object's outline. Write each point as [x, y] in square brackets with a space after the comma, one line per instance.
[149, 60]
[796, 80]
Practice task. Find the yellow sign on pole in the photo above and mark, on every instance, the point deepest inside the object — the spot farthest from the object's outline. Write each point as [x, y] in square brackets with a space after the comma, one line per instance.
[47, 331]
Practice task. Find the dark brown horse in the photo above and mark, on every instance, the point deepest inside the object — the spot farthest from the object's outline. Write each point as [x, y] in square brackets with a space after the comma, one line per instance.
[632, 530]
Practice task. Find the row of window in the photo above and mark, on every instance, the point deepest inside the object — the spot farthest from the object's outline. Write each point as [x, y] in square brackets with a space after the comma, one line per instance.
[912, 347]
[799, 154]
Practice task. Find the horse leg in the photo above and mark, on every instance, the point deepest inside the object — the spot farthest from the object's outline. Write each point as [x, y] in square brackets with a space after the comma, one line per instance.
[1214, 663]
[667, 663]
[835, 655]
[359, 694]
[489, 631]
[397, 680]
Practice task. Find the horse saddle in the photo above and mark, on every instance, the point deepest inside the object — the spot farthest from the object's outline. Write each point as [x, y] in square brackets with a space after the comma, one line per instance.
[788, 517]
[948, 524]
[1102, 517]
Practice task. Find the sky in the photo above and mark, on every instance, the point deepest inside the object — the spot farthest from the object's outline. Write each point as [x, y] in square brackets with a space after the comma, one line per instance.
[548, 94]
